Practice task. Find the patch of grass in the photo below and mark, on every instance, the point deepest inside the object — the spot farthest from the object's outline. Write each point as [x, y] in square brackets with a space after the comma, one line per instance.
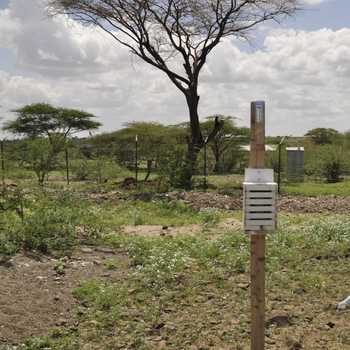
[232, 185]
[226, 184]
[111, 264]
[58, 339]
[155, 213]
[317, 189]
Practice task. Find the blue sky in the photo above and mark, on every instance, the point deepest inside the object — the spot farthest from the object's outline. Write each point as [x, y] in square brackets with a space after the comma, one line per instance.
[300, 67]
[332, 14]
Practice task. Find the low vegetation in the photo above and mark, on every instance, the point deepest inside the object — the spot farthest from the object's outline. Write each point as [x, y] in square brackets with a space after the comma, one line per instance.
[190, 292]
[55, 222]
[318, 188]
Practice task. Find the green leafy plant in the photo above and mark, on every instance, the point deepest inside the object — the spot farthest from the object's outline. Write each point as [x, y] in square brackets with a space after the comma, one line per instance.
[48, 229]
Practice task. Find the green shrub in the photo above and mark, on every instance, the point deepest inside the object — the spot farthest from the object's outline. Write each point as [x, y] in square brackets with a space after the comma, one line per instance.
[175, 166]
[100, 170]
[80, 169]
[210, 216]
[329, 162]
[49, 224]
[49, 229]
[9, 243]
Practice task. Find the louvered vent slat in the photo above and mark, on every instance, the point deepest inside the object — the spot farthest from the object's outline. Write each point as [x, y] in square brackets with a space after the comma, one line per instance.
[260, 207]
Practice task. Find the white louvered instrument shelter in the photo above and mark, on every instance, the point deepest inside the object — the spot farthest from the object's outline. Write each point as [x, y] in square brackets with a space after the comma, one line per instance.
[260, 200]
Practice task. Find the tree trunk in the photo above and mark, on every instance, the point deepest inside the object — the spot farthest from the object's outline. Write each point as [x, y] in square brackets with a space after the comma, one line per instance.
[195, 143]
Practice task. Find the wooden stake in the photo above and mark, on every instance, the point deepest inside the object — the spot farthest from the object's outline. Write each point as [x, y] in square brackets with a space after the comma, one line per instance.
[257, 257]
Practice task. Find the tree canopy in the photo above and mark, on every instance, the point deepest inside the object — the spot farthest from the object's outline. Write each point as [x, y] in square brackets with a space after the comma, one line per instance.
[157, 30]
[42, 119]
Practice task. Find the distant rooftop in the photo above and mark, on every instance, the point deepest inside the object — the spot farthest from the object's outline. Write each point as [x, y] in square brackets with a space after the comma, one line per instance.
[267, 148]
[295, 148]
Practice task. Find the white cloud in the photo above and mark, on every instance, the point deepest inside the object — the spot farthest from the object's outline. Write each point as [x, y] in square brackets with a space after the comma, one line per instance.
[303, 76]
[9, 26]
[314, 2]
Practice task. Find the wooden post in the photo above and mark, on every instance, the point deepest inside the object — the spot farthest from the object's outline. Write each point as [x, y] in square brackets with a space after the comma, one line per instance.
[257, 258]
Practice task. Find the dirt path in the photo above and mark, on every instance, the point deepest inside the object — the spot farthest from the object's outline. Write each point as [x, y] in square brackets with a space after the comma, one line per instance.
[35, 296]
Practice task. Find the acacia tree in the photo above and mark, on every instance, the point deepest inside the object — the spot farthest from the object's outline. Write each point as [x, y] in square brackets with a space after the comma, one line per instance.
[47, 129]
[176, 37]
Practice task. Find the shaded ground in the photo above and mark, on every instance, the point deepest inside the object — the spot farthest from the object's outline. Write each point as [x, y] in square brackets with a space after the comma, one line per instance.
[37, 295]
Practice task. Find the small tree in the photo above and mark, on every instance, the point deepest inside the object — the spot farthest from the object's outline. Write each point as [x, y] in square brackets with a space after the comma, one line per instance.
[157, 31]
[48, 129]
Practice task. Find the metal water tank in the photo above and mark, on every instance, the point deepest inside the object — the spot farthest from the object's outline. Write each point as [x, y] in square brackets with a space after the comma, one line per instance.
[295, 164]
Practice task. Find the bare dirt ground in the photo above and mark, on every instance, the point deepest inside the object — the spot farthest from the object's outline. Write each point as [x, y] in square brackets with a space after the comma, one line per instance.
[170, 231]
[159, 230]
[36, 296]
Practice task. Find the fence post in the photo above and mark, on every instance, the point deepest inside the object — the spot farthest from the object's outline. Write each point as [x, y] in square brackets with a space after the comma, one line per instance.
[67, 166]
[205, 170]
[136, 159]
[2, 167]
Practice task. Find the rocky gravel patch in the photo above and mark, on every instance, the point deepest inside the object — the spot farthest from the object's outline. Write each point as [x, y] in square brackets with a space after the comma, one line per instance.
[202, 200]
[299, 204]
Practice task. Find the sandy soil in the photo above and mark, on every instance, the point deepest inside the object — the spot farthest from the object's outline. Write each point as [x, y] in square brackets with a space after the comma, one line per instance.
[35, 297]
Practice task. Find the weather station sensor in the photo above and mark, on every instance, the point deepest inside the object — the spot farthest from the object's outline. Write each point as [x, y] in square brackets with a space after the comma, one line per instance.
[259, 200]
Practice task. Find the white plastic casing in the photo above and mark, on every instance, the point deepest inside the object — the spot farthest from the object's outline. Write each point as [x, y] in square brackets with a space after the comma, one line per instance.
[259, 200]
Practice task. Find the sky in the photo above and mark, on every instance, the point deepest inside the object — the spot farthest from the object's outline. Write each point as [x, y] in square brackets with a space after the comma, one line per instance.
[301, 68]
